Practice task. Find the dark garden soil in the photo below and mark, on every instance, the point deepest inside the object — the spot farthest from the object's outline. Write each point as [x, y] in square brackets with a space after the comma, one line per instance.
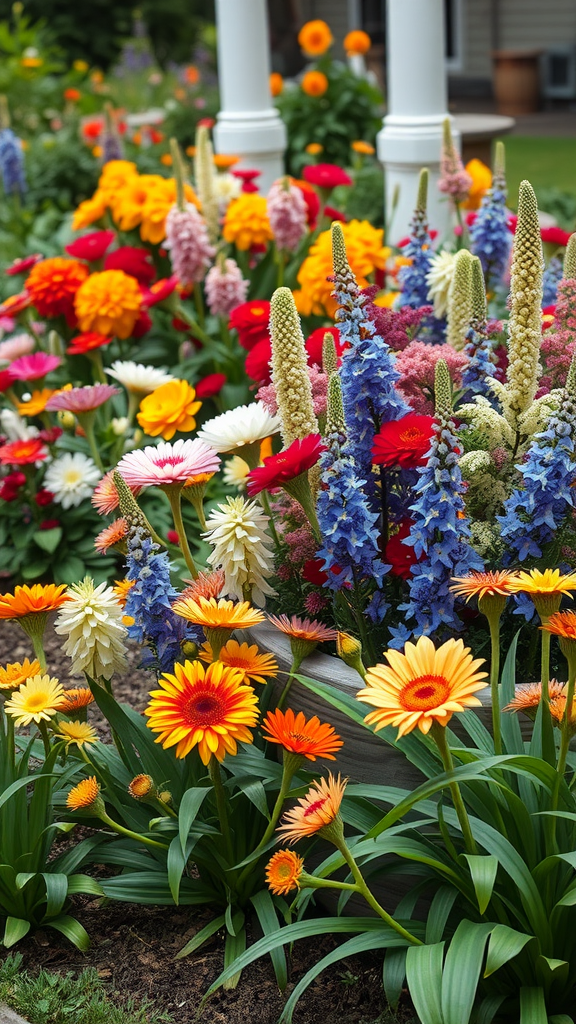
[133, 948]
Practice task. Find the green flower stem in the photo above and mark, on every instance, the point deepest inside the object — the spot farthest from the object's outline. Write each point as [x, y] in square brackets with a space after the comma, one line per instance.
[265, 502]
[174, 499]
[291, 764]
[43, 730]
[368, 896]
[566, 726]
[10, 739]
[131, 835]
[438, 733]
[545, 668]
[196, 329]
[87, 423]
[221, 807]
[199, 303]
[34, 626]
[134, 399]
[95, 358]
[494, 680]
[299, 488]
[217, 637]
[296, 662]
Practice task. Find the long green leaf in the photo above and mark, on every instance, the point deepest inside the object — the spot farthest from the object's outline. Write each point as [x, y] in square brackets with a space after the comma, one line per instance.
[532, 1006]
[511, 732]
[189, 806]
[84, 884]
[149, 887]
[394, 975]
[424, 965]
[505, 943]
[201, 936]
[16, 786]
[269, 923]
[439, 912]
[15, 929]
[483, 871]
[72, 929]
[489, 1008]
[234, 946]
[462, 971]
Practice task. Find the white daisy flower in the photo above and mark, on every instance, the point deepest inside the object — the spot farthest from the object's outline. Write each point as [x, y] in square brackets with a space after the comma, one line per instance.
[239, 427]
[439, 279]
[136, 377]
[91, 621]
[238, 536]
[71, 478]
[235, 472]
[226, 188]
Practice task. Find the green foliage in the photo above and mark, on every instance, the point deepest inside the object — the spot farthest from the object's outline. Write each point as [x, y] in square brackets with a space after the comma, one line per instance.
[50, 998]
[349, 110]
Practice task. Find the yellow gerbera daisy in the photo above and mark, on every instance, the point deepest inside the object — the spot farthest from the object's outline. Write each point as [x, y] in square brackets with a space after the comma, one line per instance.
[255, 667]
[546, 588]
[79, 733]
[36, 700]
[422, 686]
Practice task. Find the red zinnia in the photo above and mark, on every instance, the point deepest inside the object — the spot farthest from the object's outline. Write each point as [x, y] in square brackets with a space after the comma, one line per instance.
[24, 265]
[404, 442]
[92, 246]
[159, 291]
[132, 260]
[92, 129]
[250, 319]
[21, 453]
[326, 175]
[86, 342]
[278, 470]
[257, 363]
[315, 341]
[210, 385]
[399, 555]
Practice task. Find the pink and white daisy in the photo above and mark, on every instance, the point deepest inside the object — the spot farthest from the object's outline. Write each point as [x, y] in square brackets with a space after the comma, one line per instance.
[13, 348]
[79, 400]
[33, 366]
[105, 497]
[168, 463]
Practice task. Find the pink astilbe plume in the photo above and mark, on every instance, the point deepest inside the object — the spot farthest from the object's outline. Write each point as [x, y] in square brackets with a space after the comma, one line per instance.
[398, 327]
[319, 384]
[187, 239]
[559, 344]
[287, 213]
[225, 288]
[454, 180]
[416, 366]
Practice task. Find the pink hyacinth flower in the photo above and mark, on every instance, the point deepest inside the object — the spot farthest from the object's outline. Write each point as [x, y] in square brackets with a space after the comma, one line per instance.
[33, 366]
[168, 463]
[287, 213]
[187, 239]
[225, 288]
[79, 400]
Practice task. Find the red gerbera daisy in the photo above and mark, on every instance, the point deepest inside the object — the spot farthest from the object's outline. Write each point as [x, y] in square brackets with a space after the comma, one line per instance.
[315, 342]
[22, 453]
[86, 342]
[24, 265]
[159, 291]
[250, 319]
[326, 175]
[278, 470]
[403, 442]
[91, 247]
[15, 304]
[257, 363]
[399, 555]
[210, 385]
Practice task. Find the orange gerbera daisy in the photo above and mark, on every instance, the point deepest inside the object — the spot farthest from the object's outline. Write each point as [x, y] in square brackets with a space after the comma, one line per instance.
[561, 624]
[17, 673]
[255, 667]
[283, 871]
[221, 614]
[36, 403]
[208, 584]
[111, 536]
[52, 286]
[558, 710]
[205, 707]
[422, 686]
[75, 698]
[315, 811]
[310, 738]
[122, 588]
[483, 584]
[303, 629]
[83, 795]
[37, 599]
[527, 698]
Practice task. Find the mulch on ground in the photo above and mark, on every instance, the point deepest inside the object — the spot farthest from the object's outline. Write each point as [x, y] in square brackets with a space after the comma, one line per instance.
[133, 948]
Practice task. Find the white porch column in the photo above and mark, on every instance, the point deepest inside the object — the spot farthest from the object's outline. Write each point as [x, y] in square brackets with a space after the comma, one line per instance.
[247, 124]
[417, 105]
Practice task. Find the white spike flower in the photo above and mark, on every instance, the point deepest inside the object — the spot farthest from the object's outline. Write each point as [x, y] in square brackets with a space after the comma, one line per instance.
[239, 539]
[91, 621]
[439, 279]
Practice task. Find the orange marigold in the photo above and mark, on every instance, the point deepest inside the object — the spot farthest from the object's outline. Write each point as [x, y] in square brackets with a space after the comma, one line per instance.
[481, 181]
[83, 795]
[357, 42]
[315, 37]
[246, 222]
[90, 211]
[314, 83]
[169, 408]
[75, 698]
[17, 673]
[310, 739]
[52, 286]
[109, 302]
[276, 83]
[155, 210]
[366, 253]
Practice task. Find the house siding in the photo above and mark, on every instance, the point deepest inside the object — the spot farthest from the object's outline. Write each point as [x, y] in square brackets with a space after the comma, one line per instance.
[521, 25]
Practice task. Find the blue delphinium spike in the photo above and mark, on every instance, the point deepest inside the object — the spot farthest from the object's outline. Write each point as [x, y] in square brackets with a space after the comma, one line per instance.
[12, 163]
[550, 281]
[490, 238]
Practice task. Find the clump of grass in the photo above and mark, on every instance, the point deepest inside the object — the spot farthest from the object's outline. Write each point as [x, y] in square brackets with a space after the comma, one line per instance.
[50, 998]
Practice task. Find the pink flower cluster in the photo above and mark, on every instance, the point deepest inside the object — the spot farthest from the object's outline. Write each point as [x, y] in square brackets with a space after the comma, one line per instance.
[558, 345]
[287, 213]
[225, 288]
[319, 385]
[398, 327]
[454, 180]
[416, 366]
[187, 239]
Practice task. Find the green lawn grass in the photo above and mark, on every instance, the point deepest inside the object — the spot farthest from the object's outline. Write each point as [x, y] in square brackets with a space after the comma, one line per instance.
[546, 163]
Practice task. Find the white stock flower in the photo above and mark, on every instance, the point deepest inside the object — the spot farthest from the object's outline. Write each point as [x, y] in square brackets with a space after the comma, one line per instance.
[238, 536]
[239, 427]
[91, 621]
[136, 377]
[71, 478]
[439, 279]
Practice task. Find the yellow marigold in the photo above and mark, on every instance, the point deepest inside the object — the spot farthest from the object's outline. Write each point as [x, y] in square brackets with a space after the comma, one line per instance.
[359, 146]
[90, 211]
[155, 209]
[246, 222]
[357, 42]
[314, 148]
[36, 404]
[315, 37]
[276, 83]
[314, 83]
[128, 201]
[108, 302]
[170, 408]
[366, 253]
[115, 173]
[481, 181]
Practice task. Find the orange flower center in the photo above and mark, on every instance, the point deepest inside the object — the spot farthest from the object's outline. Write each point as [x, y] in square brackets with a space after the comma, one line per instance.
[411, 434]
[204, 710]
[424, 693]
